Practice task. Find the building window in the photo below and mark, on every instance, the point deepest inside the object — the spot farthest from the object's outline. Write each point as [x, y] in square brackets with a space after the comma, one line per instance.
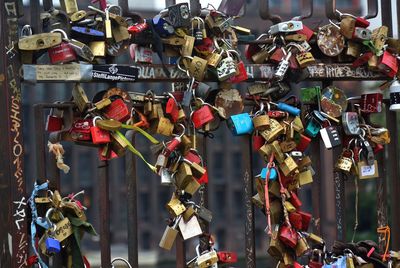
[237, 162]
[217, 171]
[146, 240]
[221, 239]
[144, 202]
[238, 203]
[220, 203]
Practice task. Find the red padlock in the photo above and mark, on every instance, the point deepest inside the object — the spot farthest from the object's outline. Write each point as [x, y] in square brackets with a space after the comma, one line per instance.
[295, 200]
[277, 56]
[63, 52]
[193, 157]
[117, 110]
[206, 46]
[172, 108]
[362, 60]
[99, 136]
[307, 32]
[258, 142]
[378, 148]
[296, 220]
[371, 103]
[227, 257]
[204, 178]
[54, 120]
[297, 265]
[306, 219]
[361, 22]
[80, 130]
[303, 144]
[388, 64]
[138, 28]
[288, 236]
[174, 143]
[242, 76]
[110, 154]
[202, 116]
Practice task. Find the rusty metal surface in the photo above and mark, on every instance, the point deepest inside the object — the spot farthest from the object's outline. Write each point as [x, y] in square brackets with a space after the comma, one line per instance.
[250, 254]
[204, 197]
[13, 221]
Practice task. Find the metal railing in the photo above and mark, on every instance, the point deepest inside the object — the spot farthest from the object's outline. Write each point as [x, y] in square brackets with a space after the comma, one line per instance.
[328, 189]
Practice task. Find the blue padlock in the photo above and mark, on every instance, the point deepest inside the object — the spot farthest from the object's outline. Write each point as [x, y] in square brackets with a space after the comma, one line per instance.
[287, 108]
[53, 246]
[240, 124]
[162, 27]
[312, 128]
[272, 175]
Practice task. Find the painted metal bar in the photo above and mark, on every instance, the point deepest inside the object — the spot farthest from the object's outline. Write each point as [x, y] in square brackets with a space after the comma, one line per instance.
[334, 14]
[204, 197]
[104, 211]
[250, 254]
[308, 7]
[180, 252]
[195, 7]
[131, 181]
[13, 218]
[316, 188]
[256, 72]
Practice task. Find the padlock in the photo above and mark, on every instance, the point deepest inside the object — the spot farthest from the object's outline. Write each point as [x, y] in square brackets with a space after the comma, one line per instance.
[202, 116]
[80, 130]
[162, 27]
[379, 36]
[330, 41]
[313, 128]
[69, 6]
[62, 53]
[351, 124]
[241, 73]
[175, 206]
[62, 229]
[80, 49]
[120, 33]
[179, 15]
[192, 187]
[388, 64]
[304, 177]
[302, 246]
[316, 260]
[226, 68]
[98, 48]
[286, 27]
[54, 121]
[305, 59]
[187, 48]
[283, 66]
[347, 26]
[53, 246]
[257, 141]
[273, 131]
[288, 236]
[227, 257]
[303, 143]
[362, 34]
[394, 96]
[306, 219]
[99, 136]
[344, 163]
[143, 54]
[371, 103]
[214, 58]
[198, 30]
[261, 121]
[240, 124]
[169, 236]
[205, 259]
[307, 32]
[117, 110]
[289, 166]
[289, 207]
[190, 229]
[222, 24]
[271, 176]
[163, 126]
[330, 137]
[198, 68]
[39, 41]
[183, 176]
[204, 213]
[366, 171]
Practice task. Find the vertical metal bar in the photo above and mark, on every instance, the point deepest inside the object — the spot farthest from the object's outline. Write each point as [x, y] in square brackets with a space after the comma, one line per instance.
[250, 255]
[13, 221]
[265, 13]
[330, 9]
[381, 198]
[131, 180]
[124, 6]
[35, 13]
[169, 3]
[180, 252]
[393, 169]
[40, 143]
[387, 20]
[104, 211]
[195, 7]
[204, 198]
[316, 188]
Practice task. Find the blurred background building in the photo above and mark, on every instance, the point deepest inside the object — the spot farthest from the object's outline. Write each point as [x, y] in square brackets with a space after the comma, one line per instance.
[224, 157]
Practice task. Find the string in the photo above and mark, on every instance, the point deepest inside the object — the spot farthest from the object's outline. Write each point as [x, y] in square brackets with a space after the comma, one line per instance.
[385, 230]
[356, 206]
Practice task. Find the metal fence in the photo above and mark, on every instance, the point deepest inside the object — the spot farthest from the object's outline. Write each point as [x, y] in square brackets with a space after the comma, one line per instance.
[328, 190]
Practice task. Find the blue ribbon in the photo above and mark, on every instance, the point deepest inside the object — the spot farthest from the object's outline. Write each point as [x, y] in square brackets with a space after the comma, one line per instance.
[35, 219]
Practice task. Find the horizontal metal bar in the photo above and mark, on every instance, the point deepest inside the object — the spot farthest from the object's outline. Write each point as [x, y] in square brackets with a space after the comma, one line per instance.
[256, 72]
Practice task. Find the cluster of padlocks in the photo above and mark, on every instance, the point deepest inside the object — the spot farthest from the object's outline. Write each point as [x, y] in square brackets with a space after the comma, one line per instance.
[282, 128]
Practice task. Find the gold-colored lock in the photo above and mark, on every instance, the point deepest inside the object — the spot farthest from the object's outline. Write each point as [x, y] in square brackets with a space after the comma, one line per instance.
[169, 236]
[349, 262]
[261, 122]
[302, 246]
[265, 151]
[192, 187]
[344, 163]
[214, 59]
[175, 206]
[39, 41]
[289, 166]
[184, 176]
[288, 146]
[273, 131]
[198, 68]
[294, 184]
[173, 41]
[297, 124]
[353, 49]
[98, 48]
[276, 211]
[207, 260]
[304, 177]
[80, 98]
[189, 213]
[187, 48]
[288, 259]
[305, 59]
[107, 25]
[347, 27]
[118, 145]
[373, 63]
[56, 199]
[260, 56]
[315, 238]
[186, 144]
[276, 247]
[276, 149]
[120, 33]
[379, 36]
[289, 207]
[163, 126]
[367, 172]
[274, 189]
[77, 16]
[304, 163]
[257, 201]
[260, 186]
[69, 6]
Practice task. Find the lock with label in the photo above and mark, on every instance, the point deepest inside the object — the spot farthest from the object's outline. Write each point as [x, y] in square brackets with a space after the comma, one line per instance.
[345, 163]
[371, 103]
[117, 110]
[62, 53]
[388, 64]
[190, 229]
[143, 54]
[179, 15]
[240, 124]
[198, 68]
[169, 236]
[273, 131]
[80, 130]
[226, 68]
[205, 259]
[330, 137]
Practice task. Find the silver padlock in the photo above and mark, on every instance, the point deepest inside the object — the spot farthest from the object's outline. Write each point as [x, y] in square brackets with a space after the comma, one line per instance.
[226, 68]
[283, 66]
[286, 27]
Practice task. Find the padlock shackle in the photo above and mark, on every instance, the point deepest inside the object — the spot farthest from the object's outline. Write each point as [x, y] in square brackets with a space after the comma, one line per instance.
[334, 14]
[122, 260]
[309, 11]
[265, 13]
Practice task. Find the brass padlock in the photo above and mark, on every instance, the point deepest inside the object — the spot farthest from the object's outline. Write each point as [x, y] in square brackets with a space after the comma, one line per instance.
[347, 27]
[276, 149]
[120, 33]
[379, 36]
[276, 247]
[344, 163]
[257, 201]
[214, 58]
[273, 131]
[69, 6]
[288, 146]
[261, 122]
[169, 236]
[39, 41]
[189, 213]
[289, 207]
[98, 48]
[175, 206]
[80, 98]
[163, 126]
[265, 151]
[276, 211]
[302, 246]
[192, 187]
[289, 166]
[304, 177]
[297, 124]
[305, 59]
[353, 49]
[187, 48]
[305, 162]
[183, 176]
[373, 63]
[198, 68]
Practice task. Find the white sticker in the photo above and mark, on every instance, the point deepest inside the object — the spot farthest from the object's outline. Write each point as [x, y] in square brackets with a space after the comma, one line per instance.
[367, 170]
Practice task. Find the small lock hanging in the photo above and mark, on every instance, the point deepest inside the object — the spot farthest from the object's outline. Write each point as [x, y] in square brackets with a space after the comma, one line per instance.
[99, 136]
